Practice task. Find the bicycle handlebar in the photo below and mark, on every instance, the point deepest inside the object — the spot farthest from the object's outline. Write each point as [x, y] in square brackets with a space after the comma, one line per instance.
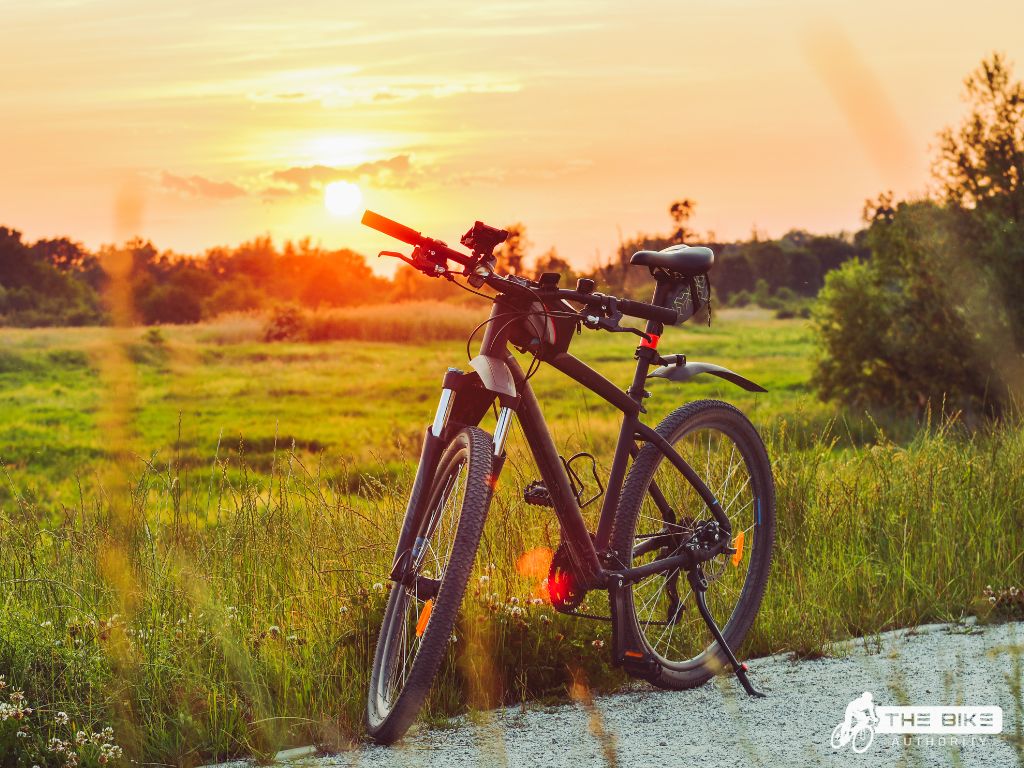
[439, 250]
[412, 237]
[391, 228]
[639, 309]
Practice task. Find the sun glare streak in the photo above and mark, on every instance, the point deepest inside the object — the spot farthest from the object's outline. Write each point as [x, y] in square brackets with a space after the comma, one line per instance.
[861, 96]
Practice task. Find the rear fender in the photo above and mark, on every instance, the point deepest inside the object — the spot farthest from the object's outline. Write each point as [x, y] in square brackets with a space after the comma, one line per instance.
[686, 371]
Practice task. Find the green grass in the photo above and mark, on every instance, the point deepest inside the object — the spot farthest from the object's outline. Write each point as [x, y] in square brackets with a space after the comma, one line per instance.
[364, 403]
[203, 577]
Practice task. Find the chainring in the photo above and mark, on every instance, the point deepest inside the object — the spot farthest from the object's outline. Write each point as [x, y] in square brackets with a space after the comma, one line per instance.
[563, 584]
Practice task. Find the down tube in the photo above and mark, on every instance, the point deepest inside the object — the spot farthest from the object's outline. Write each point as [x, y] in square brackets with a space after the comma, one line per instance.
[545, 454]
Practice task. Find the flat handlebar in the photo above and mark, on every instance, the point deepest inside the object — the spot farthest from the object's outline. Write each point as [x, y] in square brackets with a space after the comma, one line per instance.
[640, 309]
[440, 251]
[391, 228]
[412, 237]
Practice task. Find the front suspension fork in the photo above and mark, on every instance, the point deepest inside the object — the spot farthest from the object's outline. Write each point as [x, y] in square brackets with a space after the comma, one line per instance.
[434, 441]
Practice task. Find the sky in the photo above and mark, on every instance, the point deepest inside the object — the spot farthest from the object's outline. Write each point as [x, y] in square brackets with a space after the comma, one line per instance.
[198, 124]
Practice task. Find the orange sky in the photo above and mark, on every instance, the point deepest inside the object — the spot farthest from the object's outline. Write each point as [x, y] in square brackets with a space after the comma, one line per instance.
[222, 119]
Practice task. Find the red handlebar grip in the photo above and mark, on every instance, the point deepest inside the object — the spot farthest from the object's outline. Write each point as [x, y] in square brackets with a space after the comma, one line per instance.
[392, 228]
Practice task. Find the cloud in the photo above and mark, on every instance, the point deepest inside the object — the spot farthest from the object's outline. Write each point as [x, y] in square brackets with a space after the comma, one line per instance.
[360, 91]
[199, 186]
[301, 180]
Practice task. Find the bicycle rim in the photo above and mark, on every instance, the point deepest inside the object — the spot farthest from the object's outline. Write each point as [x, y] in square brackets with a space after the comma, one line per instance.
[408, 613]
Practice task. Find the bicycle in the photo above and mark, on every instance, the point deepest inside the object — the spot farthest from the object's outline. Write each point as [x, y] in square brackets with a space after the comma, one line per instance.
[659, 520]
[859, 737]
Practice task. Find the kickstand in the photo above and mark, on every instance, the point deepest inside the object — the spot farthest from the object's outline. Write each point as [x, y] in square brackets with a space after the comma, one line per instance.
[699, 584]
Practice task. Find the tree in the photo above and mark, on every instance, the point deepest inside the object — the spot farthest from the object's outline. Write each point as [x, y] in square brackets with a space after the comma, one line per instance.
[935, 313]
[981, 170]
[981, 163]
[550, 261]
[512, 252]
[895, 330]
[170, 304]
[36, 292]
[681, 212]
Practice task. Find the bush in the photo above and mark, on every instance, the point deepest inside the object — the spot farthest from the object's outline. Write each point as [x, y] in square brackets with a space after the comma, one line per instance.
[173, 304]
[401, 323]
[286, 323]
[913, 325]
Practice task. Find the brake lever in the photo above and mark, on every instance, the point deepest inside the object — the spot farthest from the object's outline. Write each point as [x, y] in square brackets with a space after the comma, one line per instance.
[417, 262]
[610, 322]
[397, 255]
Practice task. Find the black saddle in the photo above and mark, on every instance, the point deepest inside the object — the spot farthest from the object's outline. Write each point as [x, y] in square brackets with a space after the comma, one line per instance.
[681, 260]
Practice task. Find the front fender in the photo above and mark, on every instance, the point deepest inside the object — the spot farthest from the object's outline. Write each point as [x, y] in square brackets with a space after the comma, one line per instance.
[686, 371]
[494, 374]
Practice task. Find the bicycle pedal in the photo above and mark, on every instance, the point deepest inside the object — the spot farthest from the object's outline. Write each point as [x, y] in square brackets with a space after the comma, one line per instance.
[536, 493]
[639, 664]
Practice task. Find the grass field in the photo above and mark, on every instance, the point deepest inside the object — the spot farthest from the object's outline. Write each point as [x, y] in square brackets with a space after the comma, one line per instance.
[195, 525]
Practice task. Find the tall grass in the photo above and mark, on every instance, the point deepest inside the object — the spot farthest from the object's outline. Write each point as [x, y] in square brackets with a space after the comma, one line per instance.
[235, 614]
[403, 323]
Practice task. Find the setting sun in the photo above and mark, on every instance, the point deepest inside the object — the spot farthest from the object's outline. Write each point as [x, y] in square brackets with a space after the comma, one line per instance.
[342, 198]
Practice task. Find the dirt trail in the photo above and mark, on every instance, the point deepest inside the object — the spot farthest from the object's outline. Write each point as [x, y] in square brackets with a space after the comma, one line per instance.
[717, 726]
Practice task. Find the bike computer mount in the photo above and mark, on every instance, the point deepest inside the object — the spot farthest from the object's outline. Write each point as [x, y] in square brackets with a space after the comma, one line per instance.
[482, 239]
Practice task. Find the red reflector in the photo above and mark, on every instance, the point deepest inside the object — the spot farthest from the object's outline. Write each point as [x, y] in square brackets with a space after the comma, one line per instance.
[633, 654]
[653, 343]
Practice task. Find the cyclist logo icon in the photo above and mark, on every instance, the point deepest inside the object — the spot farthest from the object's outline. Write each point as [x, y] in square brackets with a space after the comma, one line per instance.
[858, 727]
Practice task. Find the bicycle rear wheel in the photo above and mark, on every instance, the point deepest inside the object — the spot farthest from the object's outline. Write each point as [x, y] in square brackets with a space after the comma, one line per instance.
[419, 619]
[721, 444]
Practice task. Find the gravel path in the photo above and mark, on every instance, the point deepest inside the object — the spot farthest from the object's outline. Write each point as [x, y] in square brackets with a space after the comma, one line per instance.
[717, 726]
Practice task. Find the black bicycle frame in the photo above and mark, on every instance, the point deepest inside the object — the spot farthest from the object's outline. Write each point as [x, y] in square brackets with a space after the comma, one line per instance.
[594, 562]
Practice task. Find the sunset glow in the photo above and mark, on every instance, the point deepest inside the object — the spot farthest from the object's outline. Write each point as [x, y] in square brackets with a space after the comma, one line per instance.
[581, 120]
[342, 198]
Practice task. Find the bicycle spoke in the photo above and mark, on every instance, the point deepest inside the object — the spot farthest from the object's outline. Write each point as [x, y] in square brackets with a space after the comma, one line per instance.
[683, 635]
[438, 543]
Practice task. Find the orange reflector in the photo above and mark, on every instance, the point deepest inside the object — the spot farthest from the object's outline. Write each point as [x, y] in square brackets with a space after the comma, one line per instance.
[633, 654]
[421, 625]
[738, 546]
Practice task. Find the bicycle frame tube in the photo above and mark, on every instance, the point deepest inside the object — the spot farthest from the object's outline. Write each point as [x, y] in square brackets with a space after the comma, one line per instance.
[586, 552]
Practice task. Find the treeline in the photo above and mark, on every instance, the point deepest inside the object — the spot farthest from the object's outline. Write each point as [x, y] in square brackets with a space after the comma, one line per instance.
[58, 282]
[760, 271]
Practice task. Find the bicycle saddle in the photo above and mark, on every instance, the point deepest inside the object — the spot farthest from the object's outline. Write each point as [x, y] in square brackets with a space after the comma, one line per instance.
[684, 260]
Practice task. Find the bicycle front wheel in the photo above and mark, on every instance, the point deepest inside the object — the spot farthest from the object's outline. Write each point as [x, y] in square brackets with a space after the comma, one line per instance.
[419, 619]
[723, 447]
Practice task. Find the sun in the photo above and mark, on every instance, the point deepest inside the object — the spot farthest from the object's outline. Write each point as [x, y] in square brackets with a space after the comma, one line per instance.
[342, 198]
